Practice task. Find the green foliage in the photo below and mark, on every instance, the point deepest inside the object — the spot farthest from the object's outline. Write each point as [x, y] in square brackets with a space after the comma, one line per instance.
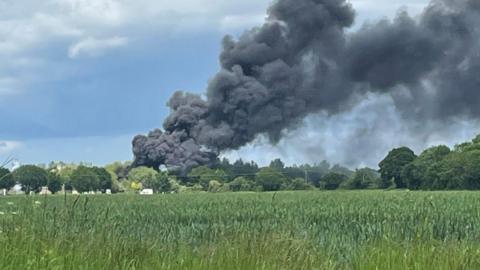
[104, 178]
[119, 169]
[54, 182]
[459, 170]
[142, 175]
[270, 179]
[300, 184]
[64, 171]
[241, 184]
[392, 166]
[85, 179]
[203, 175]
[215, 186]
[333, 180]
[277, 164]
[32, 178]
[418, 174]
[6, 179]
[161, 183]
[364, 178]
[438, 168]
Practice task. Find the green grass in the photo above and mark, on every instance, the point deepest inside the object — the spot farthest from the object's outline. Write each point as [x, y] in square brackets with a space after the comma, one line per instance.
[288, 230]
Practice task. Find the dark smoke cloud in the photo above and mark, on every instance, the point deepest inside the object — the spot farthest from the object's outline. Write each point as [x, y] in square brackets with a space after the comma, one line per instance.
[302, 61]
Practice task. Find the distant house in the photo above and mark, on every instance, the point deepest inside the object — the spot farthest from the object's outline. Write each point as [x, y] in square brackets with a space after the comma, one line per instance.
[45, 191]
[16, 190]
[147, 191]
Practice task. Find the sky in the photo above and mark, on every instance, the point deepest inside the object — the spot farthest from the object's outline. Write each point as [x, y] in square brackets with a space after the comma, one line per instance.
[80, 78]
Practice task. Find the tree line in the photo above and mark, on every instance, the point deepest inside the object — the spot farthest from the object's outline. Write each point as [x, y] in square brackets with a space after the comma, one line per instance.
[436, 168]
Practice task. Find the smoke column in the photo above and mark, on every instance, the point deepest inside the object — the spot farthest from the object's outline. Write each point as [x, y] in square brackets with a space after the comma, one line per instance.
[303, 60]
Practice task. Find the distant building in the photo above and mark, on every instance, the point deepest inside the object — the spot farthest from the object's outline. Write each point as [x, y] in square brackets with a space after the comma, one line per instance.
[45, 191]
[147, 191]
[16, 190]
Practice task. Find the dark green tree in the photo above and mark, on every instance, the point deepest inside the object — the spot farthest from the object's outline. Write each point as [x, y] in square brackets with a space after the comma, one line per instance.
[241, 184]
[300, 184]
[54, 182]
[459, 170]
[32, 178]
[364, 178]
[332, 180]
[159, 183]
[270, 179]
[391, 167]
[418, 174]
[277, 164]
[245, 169]
[203, 175]
[104, 177]
[85, 179]
[6, 179]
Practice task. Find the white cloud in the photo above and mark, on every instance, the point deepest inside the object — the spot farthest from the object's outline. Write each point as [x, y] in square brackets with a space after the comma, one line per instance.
[94, 47]
[90, 27]
[8, 147]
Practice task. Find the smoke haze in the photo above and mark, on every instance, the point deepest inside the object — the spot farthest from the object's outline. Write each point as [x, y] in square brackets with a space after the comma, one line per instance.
[305, 70]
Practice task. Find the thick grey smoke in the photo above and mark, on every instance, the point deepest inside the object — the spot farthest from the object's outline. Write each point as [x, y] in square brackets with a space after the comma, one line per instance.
[303, 61]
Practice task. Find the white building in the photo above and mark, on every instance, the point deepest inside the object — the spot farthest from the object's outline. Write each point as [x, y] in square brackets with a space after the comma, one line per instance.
[147, 191]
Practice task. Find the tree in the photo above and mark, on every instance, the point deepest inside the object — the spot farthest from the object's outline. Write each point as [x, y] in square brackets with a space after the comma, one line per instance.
[120, 169]
[32, 178]
[85, 179]
[65, 173]
[270, 179]
[6, 179]
[142, 174]
[245, 169]
[341, 170]
[418, 174]
[241, 184]
[459, 170]
[104, 177]
[54, 182]
[364, 178]
[277, 164]
[160, 183]
[333, 180]
[203, 175]
[214, 186]
[300, 184]
[392, 166]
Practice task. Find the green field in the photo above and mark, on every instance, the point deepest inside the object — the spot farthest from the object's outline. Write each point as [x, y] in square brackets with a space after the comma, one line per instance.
[288, 230]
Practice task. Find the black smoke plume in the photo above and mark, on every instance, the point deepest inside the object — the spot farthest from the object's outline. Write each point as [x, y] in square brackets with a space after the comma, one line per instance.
[303, 60]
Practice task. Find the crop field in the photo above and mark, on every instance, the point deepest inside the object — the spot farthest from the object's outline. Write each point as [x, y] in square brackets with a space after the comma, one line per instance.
[286, 230]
